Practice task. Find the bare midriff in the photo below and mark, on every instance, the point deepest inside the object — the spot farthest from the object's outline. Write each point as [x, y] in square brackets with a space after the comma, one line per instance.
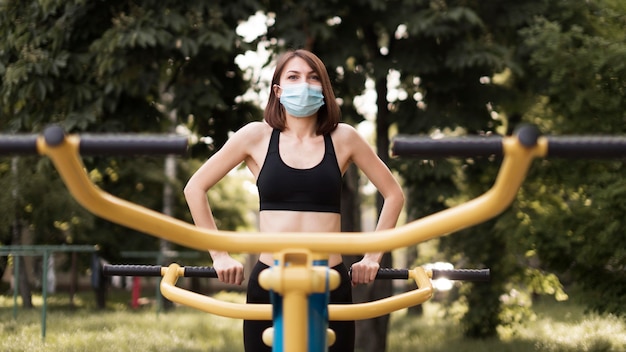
[276, 221]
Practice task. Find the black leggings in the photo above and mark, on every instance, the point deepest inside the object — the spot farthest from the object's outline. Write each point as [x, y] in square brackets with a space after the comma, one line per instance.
[253, 329]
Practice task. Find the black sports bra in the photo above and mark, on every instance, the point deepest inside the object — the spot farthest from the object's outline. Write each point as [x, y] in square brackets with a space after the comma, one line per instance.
[282, 187]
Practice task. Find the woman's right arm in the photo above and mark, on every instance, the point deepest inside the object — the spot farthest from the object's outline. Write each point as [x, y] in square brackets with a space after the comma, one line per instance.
[233, 153]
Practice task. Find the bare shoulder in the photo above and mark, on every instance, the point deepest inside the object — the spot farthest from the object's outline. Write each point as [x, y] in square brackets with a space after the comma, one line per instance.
[349, 145]
[252, 133]
[254, 128]
[345, 134]
[345, 131]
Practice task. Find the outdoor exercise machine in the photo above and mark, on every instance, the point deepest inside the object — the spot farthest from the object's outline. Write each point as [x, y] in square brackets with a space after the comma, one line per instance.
[300, 278]
[318, 313]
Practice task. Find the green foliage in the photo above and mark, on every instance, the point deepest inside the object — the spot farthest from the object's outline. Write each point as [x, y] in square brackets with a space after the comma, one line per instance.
[573, 225]
[38, 197]
[583, 74]
[84, 64]
[115, 66]
[570, 214]
[567, 79]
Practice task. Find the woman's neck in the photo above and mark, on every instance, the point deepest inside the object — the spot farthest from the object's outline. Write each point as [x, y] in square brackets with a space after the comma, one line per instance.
[301, 127]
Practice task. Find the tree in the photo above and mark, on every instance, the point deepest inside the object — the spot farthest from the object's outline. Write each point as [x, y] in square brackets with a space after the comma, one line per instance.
[583, 91]
[117, 66]
[569, 80]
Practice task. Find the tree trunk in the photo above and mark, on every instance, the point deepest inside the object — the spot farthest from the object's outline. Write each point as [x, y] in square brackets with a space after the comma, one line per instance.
[351, 208]
[4, 263]
[24, 285]
[371, 334]
[351, 201]
[73, 278]
[22, 281]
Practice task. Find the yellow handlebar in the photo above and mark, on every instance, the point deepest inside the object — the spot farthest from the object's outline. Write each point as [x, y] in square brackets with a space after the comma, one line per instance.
[517, 160]
[357, 311]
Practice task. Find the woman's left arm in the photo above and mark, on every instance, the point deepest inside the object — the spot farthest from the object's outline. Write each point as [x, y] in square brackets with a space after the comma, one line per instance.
[378, 173]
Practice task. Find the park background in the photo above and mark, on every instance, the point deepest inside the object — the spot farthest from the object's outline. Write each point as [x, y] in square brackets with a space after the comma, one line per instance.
[438, 68]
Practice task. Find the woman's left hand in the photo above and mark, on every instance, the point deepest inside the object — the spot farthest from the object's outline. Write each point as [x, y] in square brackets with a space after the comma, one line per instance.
[364, 271]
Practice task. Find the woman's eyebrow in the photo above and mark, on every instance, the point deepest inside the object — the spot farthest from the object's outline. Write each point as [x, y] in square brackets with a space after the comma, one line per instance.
[296, 71]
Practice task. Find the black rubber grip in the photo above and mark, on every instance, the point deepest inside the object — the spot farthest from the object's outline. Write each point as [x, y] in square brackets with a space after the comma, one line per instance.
[155, 270]
[426, 147]
[388, 274]
[200, 271]
[580, 147]
[476, 275]
[392, 274]
[131, 270]
[18, 144]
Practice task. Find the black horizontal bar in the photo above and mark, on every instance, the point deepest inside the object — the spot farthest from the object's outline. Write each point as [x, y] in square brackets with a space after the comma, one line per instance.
[427, 147]
[155, 270]
[18, 144]
[476, 275]
[98, 144]
[571, 147]
[580, 147]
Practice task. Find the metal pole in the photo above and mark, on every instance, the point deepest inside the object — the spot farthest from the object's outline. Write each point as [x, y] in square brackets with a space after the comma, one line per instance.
[16, 275]
[44, 293]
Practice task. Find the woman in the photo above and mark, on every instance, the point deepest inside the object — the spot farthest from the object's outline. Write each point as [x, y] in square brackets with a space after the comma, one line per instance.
[297, 156]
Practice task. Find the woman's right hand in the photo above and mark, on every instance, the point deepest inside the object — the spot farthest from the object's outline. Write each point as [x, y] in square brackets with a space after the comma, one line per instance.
[229, 270]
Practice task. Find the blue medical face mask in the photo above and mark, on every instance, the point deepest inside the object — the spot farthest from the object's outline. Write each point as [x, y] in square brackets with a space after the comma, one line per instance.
[301, 99]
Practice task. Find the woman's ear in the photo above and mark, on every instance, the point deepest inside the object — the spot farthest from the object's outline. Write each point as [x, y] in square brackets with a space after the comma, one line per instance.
[277, 90]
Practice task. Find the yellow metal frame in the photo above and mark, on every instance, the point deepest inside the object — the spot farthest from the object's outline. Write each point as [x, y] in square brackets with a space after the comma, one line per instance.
[513, 170]
[295, 277]
[358, 311]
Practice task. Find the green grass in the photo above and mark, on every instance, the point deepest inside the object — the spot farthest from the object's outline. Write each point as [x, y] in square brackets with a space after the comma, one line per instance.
[117, 328]
[561, 327]
[555, 326]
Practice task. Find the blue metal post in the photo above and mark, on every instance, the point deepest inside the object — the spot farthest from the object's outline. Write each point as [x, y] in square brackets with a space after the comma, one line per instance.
[317, 318]
[318, 315]
[277, 313]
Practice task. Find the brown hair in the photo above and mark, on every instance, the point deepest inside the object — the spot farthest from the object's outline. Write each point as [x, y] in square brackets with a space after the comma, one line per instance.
[327, 116]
